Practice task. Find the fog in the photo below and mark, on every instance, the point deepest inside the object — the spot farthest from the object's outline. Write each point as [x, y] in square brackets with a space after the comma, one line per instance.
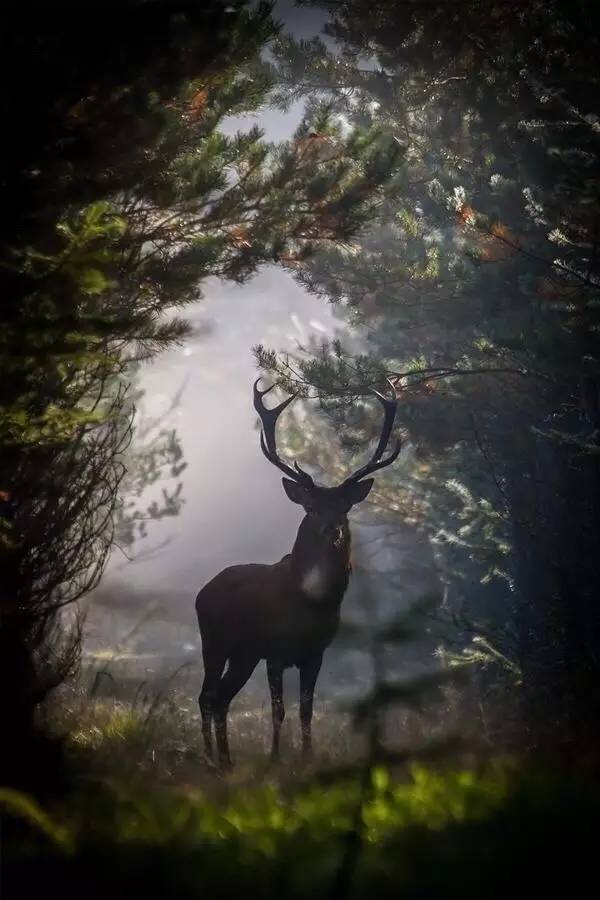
[235, 508]
[399, 220]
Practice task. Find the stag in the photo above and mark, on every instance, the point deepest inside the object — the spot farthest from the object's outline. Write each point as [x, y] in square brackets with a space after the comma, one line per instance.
[286, 613]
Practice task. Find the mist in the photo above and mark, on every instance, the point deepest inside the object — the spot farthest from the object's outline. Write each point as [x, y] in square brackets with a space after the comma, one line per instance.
[387, 213]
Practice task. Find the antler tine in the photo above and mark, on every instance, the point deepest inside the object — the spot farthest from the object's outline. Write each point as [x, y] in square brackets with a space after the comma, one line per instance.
[300, 471]
[389, 414]
[269, 417]
[273, 458]
[268, 444]
[376, 462]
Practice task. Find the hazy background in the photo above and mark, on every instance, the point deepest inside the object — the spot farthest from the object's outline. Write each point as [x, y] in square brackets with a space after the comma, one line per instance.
[235, 510]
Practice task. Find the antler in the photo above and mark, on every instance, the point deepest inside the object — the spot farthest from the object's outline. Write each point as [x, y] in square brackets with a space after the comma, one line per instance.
[268, 446]
[376, 462]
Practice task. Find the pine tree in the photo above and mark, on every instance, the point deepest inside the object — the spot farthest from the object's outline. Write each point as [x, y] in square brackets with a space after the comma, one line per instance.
[486, 263]
[120, 195]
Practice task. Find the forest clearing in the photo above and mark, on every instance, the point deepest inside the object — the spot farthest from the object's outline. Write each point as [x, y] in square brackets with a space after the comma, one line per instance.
[300, 448]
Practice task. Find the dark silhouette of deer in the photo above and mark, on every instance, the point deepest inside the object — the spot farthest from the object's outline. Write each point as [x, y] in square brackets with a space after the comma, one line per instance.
[289, 612]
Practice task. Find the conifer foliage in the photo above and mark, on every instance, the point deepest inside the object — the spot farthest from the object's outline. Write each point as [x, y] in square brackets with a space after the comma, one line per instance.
[479, 290]
[120, 194]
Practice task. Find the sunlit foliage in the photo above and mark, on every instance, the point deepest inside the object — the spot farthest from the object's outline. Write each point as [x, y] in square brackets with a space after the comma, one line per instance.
[457, 833]
[478, 292]
[121, 194]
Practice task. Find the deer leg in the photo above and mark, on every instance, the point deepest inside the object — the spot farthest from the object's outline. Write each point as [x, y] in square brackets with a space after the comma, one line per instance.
[309, 672]
[237, 674]
[275, 676]
[213, 669]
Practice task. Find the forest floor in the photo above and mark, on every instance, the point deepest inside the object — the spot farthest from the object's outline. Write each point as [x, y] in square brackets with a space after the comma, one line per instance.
[148, 728]
[144, 813]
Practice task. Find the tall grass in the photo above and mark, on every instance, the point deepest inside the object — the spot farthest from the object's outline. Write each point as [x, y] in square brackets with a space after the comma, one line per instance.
[153, 734]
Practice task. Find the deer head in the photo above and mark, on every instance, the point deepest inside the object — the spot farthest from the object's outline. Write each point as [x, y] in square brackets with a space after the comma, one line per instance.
[327, 506]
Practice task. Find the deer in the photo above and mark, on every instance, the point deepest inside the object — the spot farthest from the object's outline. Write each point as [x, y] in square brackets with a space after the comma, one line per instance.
[286, 613]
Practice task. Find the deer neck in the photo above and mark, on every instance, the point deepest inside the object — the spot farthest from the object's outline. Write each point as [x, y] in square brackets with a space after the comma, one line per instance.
[321, 567]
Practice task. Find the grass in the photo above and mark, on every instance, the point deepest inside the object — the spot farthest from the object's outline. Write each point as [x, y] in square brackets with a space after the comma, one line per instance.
[451, 834]
[153, 736]
[145, 816]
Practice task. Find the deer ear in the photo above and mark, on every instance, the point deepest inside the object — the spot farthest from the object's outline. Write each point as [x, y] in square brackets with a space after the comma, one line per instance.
[358, 492]
[296, 493]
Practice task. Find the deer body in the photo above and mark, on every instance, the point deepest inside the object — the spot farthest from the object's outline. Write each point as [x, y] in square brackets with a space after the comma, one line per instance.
[286, 613]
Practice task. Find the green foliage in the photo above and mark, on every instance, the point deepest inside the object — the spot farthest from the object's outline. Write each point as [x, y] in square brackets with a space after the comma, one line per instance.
[154, 456]
[424, 833]
[121, 195]
[477, 292]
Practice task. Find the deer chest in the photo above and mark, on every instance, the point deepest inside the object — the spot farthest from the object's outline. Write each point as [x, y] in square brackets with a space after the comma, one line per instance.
[300, 628]
[315, 583]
